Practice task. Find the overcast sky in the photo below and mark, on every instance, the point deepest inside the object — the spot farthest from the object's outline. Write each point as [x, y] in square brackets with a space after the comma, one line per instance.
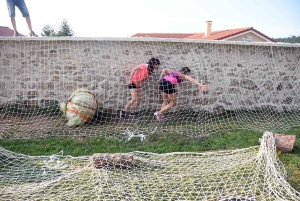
[124, 18]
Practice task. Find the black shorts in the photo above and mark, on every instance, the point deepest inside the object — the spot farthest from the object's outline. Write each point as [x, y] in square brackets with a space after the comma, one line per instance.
[167, 87]
[133, 86]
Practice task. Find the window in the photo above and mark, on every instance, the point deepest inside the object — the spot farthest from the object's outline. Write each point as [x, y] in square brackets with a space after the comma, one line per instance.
[248, 39]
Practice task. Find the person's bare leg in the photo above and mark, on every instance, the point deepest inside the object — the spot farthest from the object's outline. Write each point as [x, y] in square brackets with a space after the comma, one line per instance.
[172, 103]
[31, 32]
[28, 21]
[133, 99]
[165, 100]
[14, 24]
[138, 99]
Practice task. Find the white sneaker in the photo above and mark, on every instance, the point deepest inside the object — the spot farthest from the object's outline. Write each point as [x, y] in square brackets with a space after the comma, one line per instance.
[159, 117]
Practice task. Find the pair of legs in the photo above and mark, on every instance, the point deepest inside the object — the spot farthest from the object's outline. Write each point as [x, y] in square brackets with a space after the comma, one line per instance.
[169, 98]
[136, 97]
[20, 4]
[14, 24]
[169, 101]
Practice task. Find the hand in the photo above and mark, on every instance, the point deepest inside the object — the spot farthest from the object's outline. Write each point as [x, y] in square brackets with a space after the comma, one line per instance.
[204, 88]
[129, 82]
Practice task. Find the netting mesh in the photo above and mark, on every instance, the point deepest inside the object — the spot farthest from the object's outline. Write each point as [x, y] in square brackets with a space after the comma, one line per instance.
[253, 86]
[253, 173]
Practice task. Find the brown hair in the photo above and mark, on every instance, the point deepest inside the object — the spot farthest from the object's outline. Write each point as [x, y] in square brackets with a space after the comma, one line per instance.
[151, 63]
[185, 70]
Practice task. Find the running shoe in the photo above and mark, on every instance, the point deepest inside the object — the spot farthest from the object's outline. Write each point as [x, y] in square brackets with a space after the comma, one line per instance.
[33, 34]
[122, 114]
[159, 117]
[134, 114]
[16, 34]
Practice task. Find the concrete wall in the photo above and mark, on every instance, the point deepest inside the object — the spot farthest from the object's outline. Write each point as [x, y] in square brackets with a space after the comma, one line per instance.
[45, 71]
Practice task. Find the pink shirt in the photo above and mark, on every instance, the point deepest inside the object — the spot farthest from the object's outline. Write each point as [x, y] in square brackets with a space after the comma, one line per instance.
[173, 77]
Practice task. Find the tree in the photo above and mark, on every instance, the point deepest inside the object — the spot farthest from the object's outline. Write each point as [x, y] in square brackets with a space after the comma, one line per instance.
[64, 29]
[291, 39]
[48, 31]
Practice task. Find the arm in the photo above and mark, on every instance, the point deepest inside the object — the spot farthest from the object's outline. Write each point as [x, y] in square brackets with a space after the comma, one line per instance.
[202, 86]
[132, 73]
[189, 78]
[164, 71]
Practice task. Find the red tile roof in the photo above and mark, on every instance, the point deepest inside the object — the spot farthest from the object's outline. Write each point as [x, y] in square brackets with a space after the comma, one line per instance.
[5, 31]
[215, 35]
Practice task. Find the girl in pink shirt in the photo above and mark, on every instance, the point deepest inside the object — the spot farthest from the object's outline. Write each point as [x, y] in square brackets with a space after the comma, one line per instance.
[137, 76]
[168, 81]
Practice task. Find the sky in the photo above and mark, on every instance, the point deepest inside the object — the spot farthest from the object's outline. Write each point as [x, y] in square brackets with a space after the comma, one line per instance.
[124, 18]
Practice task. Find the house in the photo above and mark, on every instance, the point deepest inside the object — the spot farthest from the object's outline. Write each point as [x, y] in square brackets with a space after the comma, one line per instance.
[5, 31]
[240, 34]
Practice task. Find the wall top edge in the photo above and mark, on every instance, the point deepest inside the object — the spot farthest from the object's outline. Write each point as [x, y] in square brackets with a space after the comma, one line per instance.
[41, 39]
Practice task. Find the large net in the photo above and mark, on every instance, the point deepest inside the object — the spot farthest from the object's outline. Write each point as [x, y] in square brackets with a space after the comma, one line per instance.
[253, 173]
[252, 86]
[77, 87]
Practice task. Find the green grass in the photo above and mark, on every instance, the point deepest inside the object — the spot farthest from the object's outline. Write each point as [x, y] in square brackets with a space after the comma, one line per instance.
[291, 161]
[157, 144]
[154, 143]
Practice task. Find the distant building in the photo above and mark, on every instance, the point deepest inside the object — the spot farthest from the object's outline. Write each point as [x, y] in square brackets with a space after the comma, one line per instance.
[5, 31]
[240, 34]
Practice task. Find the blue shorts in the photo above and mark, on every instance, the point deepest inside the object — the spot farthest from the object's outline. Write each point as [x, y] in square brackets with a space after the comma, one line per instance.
[12, 4]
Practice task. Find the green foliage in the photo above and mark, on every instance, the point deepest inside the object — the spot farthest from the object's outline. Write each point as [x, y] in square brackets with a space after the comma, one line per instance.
[291, 39]
[64, 30]
[48, 31]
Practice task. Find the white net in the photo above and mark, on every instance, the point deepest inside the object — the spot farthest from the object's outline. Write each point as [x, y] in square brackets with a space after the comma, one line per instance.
[77, 87]
[253, 173]
[252, 86]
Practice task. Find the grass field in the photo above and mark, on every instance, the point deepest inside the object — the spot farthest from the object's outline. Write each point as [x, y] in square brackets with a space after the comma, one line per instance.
[35, 134]
[82, 146]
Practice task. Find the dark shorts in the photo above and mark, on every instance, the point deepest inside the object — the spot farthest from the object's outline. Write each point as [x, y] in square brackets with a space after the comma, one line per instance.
[133, 86]
[167, 87]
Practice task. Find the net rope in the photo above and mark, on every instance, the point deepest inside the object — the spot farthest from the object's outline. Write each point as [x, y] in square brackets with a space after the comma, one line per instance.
[253, 173]
[253, 86]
